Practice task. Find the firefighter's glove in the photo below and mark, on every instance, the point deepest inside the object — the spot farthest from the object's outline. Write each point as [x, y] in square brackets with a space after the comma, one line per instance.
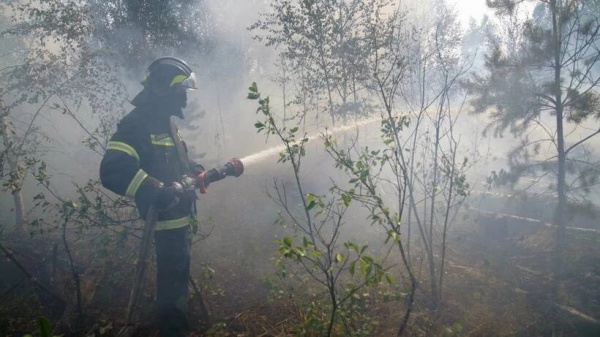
[167, 197]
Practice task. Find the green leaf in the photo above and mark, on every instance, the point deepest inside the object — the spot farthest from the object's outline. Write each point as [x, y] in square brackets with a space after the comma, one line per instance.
[44, 327]
[311, 205]
[300, 252]
[389, 278]
[339, 257]
[393, 236]
[253, 87]
[287, 241]
[346, 199]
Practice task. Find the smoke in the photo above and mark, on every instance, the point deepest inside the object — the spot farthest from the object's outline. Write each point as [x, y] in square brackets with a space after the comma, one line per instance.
[219, 120]
[238, 213]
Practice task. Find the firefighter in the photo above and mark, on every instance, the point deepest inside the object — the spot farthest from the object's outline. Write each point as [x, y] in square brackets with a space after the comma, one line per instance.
[147, 160]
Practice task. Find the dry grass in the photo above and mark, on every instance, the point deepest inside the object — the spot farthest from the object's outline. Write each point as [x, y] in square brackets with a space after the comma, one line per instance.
[499, 288]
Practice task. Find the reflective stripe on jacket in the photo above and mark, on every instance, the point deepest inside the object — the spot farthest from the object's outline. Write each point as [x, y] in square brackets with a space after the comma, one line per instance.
[140, 157]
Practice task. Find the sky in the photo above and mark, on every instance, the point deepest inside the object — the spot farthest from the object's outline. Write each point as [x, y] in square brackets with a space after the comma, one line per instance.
[470, 8]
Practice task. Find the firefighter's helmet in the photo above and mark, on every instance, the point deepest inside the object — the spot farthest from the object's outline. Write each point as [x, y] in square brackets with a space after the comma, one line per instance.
[167, 73]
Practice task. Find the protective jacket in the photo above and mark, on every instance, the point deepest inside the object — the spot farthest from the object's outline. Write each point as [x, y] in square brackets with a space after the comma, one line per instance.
[141, 157]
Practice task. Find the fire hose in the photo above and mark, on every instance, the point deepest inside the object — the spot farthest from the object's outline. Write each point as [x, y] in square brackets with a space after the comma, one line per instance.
[200, 181]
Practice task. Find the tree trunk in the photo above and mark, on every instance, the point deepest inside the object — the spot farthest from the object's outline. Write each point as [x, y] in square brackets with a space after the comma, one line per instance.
[561, 207]
[14, 174]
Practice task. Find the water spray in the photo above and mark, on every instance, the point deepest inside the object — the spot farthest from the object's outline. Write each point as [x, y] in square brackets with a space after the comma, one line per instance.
[235, 167]
[264, 154]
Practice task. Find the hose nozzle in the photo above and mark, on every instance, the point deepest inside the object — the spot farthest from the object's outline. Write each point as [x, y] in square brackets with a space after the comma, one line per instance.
[233, 168]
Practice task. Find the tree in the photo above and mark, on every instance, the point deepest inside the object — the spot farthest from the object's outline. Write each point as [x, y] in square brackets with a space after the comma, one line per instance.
[543, 88]
[56, 65]
[342, 269]
[138, 31]
[52, 69]
[49, 66]
[408, 62]
[324, 45]
[436, 173]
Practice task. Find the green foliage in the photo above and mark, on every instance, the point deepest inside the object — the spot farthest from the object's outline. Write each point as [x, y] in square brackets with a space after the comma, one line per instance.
[51, 64]
[65, 59]
[151, 27]
[327, 55]
[315, 320]
[341, 269]
[56, 58]
[542, 84]
[93, 209]
[294, 148]
[44, 328]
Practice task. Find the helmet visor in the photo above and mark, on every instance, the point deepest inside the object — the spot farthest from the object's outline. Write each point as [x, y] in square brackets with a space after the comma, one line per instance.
[180, 81]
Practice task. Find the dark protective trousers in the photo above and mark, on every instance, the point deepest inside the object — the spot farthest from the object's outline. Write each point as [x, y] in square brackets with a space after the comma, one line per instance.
[172, 279]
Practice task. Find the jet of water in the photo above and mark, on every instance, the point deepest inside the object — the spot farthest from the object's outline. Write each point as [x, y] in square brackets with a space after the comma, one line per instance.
[258, 157]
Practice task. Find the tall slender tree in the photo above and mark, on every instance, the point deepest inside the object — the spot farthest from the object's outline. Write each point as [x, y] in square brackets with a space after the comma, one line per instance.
[544, 88]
